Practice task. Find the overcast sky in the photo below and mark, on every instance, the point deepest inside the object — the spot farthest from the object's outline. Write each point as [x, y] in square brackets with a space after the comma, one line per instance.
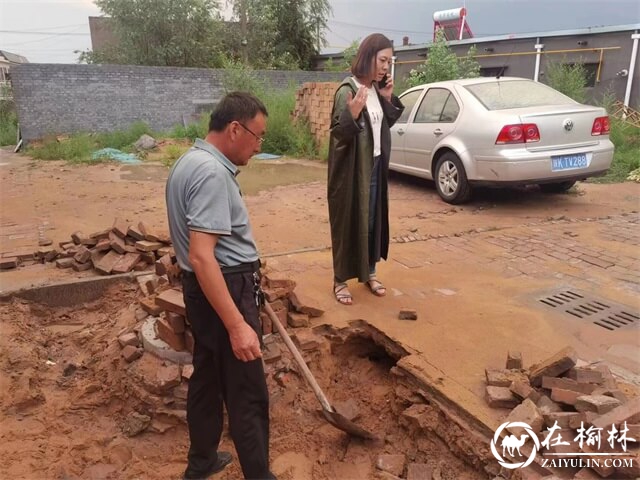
[48, 31]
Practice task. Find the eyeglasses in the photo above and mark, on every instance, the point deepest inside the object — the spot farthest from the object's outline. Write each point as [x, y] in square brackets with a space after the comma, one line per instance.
[259, 138]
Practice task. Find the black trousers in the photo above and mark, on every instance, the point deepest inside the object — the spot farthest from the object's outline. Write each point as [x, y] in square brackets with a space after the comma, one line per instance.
[219, 377]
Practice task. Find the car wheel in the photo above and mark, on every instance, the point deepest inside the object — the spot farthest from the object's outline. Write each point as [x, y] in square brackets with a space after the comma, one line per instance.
[559, 187]
[451, 179]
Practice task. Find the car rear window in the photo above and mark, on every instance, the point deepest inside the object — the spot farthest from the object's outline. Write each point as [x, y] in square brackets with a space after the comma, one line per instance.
[516, 94]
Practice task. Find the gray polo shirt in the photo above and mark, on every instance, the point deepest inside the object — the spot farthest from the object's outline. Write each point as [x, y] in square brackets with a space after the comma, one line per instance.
[203, 194]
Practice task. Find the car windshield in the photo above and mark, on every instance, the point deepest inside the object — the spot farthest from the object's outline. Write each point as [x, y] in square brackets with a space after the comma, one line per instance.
[516, 94]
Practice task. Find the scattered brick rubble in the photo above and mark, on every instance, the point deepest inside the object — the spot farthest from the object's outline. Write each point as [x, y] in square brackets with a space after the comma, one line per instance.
[559, 391]
[159, 382]
[120, 249]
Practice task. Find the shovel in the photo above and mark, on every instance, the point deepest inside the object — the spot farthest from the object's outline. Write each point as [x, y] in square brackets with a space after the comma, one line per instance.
[330, 414]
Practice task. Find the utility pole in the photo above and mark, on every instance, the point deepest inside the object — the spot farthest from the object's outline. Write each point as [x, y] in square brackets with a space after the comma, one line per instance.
[242, 12]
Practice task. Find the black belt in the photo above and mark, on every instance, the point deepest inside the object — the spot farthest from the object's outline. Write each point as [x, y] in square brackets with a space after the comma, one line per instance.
[249, 267]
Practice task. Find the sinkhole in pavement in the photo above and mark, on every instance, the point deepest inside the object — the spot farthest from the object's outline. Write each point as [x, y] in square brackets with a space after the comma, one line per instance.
[75, 407]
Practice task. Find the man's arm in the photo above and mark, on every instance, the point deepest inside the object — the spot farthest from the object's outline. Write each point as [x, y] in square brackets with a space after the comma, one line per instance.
[244, 341]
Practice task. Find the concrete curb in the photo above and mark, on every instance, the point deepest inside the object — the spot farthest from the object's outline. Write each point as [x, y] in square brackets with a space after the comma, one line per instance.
[69, 293]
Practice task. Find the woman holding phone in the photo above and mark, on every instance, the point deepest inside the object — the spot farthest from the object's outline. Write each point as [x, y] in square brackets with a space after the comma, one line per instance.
[364, 109]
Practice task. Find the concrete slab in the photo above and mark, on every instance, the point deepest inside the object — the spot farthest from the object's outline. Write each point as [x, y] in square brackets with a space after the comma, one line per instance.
[472, 312]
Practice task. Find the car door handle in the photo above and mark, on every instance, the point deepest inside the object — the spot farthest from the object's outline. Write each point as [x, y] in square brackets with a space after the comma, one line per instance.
[437, 132]
[400, 131]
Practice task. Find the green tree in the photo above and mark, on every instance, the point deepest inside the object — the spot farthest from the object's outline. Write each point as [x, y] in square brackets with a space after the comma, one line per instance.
[442, 64]
[469, 66]
[278, 33]
[344, 64]
[179, 33]
[568, 78]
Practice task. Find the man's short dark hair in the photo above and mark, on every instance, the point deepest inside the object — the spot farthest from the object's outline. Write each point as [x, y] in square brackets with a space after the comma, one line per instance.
[364, 60]
[235, 107]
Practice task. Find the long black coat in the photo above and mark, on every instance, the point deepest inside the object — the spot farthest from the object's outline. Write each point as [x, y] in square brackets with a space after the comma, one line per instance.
[350, 167]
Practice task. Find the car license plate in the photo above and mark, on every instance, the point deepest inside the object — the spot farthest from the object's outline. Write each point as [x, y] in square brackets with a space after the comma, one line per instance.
[568, 162]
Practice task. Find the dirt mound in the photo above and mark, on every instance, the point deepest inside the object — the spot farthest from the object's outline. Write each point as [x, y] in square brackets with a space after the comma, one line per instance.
[73, 408]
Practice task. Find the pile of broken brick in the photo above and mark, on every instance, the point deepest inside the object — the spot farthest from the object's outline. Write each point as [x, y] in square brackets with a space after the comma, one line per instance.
[162, 300]
[158, 348]
[119, 249]
[560, 395]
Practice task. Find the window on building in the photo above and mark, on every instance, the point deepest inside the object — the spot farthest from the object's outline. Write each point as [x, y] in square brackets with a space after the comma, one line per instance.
[493, 71]
[592, 72]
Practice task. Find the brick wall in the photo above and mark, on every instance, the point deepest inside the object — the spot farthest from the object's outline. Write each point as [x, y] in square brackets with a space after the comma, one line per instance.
[56, 98]
[314, 101]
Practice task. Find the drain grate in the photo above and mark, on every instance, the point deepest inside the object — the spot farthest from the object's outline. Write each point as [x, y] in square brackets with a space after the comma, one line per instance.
[604, 313]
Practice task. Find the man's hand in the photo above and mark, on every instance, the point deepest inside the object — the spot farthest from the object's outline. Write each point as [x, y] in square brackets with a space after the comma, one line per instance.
[244, 342]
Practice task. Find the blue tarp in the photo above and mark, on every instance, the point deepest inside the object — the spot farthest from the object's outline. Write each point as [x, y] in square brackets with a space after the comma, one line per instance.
[266, 156]
[117, 155]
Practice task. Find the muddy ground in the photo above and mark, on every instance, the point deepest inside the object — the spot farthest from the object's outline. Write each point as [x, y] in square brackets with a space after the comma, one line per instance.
[64, 392]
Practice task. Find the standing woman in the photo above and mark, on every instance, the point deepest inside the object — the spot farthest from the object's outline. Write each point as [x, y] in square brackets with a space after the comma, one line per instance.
[364, 109]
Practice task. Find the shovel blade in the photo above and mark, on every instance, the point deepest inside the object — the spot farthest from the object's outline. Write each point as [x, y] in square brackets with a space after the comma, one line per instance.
[341, 423]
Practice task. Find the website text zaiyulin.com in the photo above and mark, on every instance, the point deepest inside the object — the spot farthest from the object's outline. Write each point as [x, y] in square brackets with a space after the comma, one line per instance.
[588, 462]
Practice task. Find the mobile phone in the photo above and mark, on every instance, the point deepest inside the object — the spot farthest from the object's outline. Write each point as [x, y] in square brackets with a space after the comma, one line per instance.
[383, 83]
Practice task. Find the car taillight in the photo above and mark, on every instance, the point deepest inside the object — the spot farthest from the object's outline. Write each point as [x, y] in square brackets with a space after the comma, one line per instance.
[518, 133]
[600, 126]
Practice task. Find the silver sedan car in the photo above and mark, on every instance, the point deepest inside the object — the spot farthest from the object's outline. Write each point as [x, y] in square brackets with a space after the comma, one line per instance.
[498, 132]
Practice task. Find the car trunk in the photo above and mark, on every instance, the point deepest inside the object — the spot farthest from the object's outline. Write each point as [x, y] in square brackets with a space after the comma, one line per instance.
[563, 126]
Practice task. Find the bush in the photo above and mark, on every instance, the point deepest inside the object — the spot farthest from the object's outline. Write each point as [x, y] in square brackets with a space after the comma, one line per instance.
[173, 152]
[8, 128]
[442, 64]
[568, 78]
[192, 130]
[8, 118]
[284, 135]
[626, 157]
[240, 77]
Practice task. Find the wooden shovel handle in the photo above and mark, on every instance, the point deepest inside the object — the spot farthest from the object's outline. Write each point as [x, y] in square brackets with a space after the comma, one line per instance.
[296, 354]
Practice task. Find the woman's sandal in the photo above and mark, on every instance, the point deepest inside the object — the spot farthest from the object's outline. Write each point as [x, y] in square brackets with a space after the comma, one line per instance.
[342, 294]
[376, 287]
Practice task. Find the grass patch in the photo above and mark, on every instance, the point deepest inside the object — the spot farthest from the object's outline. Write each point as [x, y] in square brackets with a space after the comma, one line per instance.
[80, 146]
[77, 148]
[8, 128]
[122, 138]
[626, 157]
[284, 135]
[172, 152]
[193, 130]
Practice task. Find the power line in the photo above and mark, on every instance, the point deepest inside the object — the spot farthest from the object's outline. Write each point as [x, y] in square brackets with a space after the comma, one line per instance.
[53, 34]
[371, 27]
[56, 28]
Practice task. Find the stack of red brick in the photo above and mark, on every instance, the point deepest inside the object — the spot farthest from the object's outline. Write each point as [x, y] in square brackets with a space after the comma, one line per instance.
[164, 300]
[314, 101]
[120, 249]
[158, 374]
[558, 393]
